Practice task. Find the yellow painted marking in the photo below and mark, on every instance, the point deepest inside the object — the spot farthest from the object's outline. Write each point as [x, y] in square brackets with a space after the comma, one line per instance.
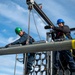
[73, 44]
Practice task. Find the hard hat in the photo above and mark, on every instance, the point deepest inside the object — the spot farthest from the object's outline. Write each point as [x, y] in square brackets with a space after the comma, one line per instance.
[17, 30]
[60, 21]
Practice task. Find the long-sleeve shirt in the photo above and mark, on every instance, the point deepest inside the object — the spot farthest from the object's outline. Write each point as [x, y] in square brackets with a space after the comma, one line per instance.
[22, 40]
[61, 31]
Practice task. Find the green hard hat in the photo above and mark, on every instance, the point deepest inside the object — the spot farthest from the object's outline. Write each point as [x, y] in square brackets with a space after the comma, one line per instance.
[17, 30]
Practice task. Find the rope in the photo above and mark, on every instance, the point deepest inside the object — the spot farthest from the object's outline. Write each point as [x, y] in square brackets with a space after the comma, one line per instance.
[40, 17]
[28, 26]
[15, 64]
[36, 25]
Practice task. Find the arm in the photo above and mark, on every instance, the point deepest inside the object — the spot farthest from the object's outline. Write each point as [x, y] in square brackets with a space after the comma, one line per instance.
[58, 29]
[22, 40]
[13, 43]
[67, 32]
[64, 29]
[68, 35]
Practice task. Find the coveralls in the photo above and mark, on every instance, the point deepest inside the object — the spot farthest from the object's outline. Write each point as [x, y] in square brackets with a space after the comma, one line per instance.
[22, 40]
[60, 32]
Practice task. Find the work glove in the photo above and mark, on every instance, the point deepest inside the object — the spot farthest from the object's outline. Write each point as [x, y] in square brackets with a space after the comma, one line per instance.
[7, 46]
[47, 27]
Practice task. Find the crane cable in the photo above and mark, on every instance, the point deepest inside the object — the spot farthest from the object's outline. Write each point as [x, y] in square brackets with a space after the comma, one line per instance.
[15, 64]
[36, 25]
[28, 26]
[40, 18]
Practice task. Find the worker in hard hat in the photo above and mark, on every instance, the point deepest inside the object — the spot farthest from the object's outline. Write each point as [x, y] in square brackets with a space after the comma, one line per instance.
[24, 41]
[62, 33]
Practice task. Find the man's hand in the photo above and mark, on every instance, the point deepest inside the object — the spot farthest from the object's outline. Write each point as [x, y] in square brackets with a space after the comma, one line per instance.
[7, 45]
[51, 27]
[27, 42]
[48, 27]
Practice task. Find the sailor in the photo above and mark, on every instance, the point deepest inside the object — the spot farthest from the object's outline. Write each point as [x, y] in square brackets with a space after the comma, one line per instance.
[62, 33]
[23, 40]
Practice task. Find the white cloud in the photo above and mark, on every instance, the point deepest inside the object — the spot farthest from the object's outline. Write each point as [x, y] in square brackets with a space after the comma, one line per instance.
[55, 10]
[14, 12]
[9, 59]
[20, 15]
[11, 70]
[4, 30]
[21, 9]
[4, 74]
[4, 40]
[8, 70]
[7, 64]
[11, 39]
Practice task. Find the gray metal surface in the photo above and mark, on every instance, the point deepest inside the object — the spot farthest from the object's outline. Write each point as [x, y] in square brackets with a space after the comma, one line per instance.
[53, 46]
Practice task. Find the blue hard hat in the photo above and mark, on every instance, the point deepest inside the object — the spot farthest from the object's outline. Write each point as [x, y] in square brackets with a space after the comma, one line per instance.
[60, 21]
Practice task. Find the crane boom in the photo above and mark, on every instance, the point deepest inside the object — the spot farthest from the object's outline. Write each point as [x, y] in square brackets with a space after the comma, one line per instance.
[53, 46]
[42, 14]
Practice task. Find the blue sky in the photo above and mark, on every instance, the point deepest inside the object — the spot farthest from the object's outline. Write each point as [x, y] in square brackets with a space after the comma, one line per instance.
[14, 13]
